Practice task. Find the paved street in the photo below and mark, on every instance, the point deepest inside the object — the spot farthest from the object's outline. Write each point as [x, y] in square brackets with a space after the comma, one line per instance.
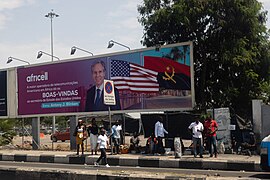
[131, 172]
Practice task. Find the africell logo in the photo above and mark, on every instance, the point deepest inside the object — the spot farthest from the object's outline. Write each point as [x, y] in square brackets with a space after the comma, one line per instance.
[38, 77]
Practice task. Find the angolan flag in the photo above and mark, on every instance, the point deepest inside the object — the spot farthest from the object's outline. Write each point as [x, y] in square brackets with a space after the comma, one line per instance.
[171, 74]
[133, 77]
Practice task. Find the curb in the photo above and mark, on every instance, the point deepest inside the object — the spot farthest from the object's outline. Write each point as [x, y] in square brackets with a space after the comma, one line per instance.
[138, 161]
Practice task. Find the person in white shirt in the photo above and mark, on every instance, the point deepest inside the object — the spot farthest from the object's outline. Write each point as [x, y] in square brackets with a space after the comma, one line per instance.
[116, 135]
[102, 142]
[159, 134]
[196, 128]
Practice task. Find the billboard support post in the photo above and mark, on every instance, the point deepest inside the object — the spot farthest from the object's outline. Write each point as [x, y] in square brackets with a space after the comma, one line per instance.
[36, 133]
[124, 128]
[110, 119]
[72, 125]
[53, 130]
[22, 133]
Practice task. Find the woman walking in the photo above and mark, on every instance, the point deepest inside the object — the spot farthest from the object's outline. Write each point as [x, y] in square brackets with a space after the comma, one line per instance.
[102, 142]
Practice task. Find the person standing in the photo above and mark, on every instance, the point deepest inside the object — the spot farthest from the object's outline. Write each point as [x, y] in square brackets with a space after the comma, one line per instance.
[211, 127]
[159, 134]
[196, 128]
[116, 135]
[102, 142]
[93, 133]
[80, 133]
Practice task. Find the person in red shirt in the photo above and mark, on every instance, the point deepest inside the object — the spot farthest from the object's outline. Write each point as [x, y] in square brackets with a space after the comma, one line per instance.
[211, 127]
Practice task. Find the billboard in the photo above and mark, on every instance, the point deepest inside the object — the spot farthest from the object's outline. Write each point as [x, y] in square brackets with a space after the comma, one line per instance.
[144, 80]
[3, 93]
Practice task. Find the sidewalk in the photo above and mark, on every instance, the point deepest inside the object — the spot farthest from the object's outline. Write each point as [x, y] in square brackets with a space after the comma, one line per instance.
[223, 162]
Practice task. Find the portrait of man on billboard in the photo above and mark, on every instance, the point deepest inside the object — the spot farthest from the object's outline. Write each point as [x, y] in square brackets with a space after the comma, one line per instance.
[94, 97]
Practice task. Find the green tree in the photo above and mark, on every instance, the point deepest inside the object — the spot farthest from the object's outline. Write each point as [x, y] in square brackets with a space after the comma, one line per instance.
[61, 121]
[231, 46]
[6, 131]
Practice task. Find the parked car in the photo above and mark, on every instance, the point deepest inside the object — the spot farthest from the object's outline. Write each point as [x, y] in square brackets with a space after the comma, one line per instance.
[61, 135]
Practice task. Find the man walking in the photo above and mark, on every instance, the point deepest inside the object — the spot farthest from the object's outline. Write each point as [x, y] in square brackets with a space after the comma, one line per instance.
[102, 142]
[196, 129]
[159, 134]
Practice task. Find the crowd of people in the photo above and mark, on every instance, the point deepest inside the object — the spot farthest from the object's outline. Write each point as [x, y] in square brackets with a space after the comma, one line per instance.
[100, 138]
[202, 133]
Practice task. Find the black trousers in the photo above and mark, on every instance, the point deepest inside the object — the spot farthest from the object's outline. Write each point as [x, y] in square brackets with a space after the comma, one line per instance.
[103, 155]
[159, 146]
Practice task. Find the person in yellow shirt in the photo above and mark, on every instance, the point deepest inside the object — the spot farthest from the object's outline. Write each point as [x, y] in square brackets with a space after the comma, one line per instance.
[80, 133]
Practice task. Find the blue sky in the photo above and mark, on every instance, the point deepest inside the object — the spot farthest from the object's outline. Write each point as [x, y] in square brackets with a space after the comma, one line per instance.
[88, 24]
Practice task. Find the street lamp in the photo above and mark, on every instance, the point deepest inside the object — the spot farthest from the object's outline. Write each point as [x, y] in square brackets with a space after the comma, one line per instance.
[10, 59]
[74, 48]
[112, 42]
[51, 15]
[40, 53]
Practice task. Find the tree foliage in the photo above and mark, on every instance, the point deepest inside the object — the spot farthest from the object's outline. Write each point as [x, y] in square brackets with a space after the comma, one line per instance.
[61, 121]
[6, 131]
[231, 46]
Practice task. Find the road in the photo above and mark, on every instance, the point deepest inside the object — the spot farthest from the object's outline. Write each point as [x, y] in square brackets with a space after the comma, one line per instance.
[167, 173]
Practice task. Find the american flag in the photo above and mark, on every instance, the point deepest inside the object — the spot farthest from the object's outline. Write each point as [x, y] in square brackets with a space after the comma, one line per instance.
[133, 77]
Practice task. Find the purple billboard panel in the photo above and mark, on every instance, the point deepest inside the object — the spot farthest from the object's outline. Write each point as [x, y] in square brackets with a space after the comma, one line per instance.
[54, 88]
[3, 93]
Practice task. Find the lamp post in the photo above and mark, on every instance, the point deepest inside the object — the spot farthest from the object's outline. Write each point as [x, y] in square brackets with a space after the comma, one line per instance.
[112, 42]
[40, 53]
[74, 48]
[10, 59]
[51, 15]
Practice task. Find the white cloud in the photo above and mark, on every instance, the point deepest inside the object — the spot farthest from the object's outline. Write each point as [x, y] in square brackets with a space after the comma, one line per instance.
[54, 1]
[3, 20]
[27, 52]
[10, 4]
[266, 1]
[13, 4]
[130, 5]
[130, 23]
[125, 10]
[266, 4]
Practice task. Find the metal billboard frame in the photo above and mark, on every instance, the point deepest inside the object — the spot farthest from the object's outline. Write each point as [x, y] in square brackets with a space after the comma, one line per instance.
[13, 85]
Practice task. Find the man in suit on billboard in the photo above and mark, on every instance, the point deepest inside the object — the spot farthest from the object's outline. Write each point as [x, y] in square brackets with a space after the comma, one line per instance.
[94, 99]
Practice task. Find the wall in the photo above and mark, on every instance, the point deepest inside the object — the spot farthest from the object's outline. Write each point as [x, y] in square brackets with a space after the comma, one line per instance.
[265, 121]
